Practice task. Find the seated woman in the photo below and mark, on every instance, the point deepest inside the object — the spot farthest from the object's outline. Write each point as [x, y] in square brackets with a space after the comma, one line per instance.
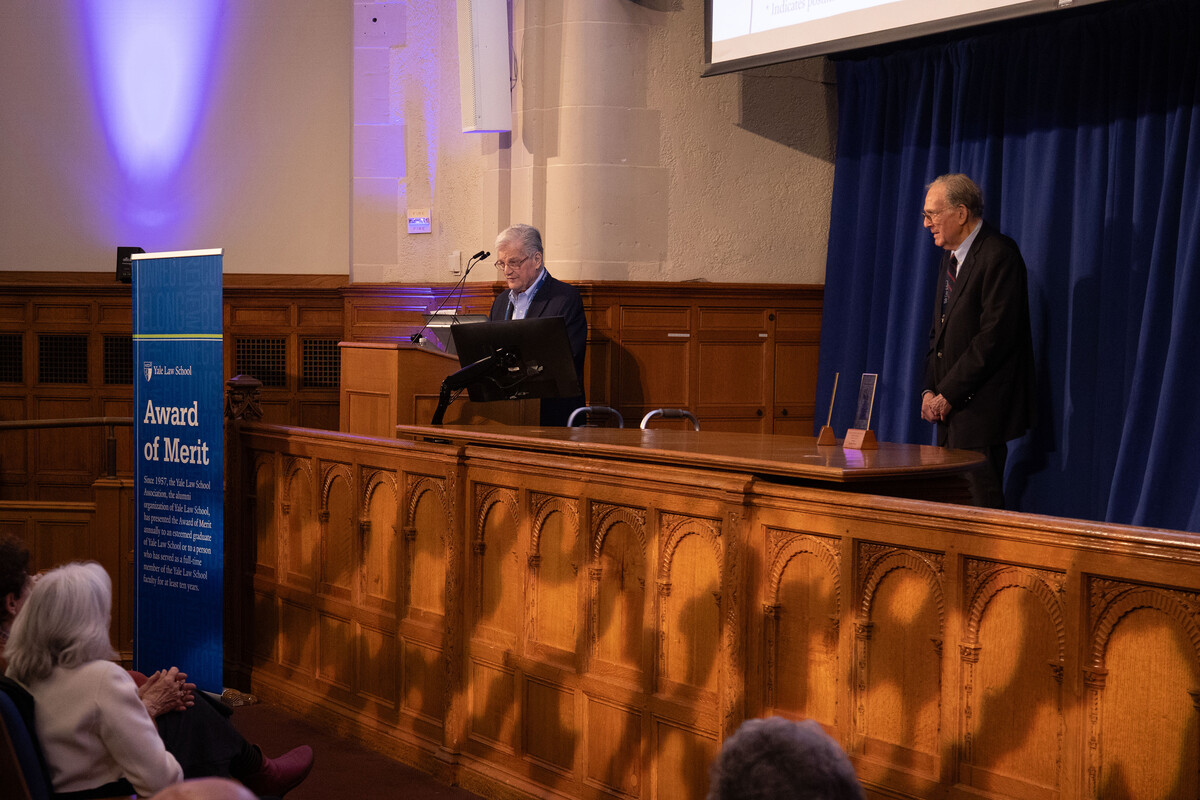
[95, 731]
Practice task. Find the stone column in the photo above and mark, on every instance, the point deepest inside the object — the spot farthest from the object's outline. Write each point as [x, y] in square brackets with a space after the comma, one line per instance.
[583, 162]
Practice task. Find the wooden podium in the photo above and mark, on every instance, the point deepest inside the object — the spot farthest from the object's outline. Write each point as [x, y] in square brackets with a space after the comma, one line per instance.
[385, 384]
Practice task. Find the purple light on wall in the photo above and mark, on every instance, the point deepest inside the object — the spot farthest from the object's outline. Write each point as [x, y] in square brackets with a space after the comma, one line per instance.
[150, 64]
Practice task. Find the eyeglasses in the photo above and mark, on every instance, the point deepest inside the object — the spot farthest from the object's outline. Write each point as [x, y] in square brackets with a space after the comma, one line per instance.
[928, 216]
[512, 263]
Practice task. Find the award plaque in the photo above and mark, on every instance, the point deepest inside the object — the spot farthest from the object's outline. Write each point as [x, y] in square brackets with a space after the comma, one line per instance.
[860, 437]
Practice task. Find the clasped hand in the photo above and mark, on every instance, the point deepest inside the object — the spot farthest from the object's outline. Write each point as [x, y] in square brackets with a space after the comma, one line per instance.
[934, 407]
[167, 690]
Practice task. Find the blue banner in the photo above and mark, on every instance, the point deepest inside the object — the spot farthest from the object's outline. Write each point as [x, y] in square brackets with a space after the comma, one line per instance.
[179, 434]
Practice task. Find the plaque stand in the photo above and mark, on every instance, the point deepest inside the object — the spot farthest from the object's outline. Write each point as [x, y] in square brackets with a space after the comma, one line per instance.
[859, 439]
[826, 438]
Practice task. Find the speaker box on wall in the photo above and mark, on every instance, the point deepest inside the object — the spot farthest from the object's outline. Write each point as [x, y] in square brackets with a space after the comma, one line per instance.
[125, 263]
[483, 65]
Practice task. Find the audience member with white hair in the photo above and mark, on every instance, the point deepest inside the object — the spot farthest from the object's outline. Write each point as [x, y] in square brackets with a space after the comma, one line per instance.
[778, 759]
[97, 737]
[195, 731]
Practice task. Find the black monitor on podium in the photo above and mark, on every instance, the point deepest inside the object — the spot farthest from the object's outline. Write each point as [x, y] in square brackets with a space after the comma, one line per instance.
[511, 360]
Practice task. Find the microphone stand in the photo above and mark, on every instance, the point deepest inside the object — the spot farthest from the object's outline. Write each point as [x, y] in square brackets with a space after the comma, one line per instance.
[458, 287]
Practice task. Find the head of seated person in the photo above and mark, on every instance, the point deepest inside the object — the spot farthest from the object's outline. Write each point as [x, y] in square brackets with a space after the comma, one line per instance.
[15, 582]
[778, 759]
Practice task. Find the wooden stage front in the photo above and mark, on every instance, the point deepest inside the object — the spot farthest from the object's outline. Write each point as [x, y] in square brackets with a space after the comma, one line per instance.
[588, 613]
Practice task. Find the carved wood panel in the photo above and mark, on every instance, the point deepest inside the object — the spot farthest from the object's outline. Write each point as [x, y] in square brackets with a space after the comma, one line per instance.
[1011, 689]
[1132, 699]
[618, 573]
[802, 610]
[606, 624]
[689, 620]
[555, 558]
[897, 686]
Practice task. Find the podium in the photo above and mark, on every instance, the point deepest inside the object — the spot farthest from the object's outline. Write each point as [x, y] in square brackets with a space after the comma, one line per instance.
[385, 384]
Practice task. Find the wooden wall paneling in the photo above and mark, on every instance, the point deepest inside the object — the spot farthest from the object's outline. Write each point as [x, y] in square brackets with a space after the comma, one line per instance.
[900, 623]
[338, 660]
[114, 405]
[953, 652]
[689, 623]
[682, 755]
[264, 512]
[1132, 699]
[553, 597]
[380, 540]
[797, 338]
[601, 366]
[651, 370]
[735, 361]
[430, 621]
[301, 545]
[1014, 641]
[656, 360]
[801, 618]
[14, 451]
[65, 460]
[620, 559]
[428, 534]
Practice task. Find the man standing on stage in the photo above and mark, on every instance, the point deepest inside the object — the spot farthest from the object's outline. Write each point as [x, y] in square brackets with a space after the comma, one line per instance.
[532, 293]
[979, 379]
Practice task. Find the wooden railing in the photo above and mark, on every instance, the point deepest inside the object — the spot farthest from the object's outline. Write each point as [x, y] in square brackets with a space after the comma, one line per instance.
[99, 529]
[529, 624]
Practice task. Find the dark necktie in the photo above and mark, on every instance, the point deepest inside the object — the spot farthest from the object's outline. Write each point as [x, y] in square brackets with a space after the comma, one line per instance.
[509, 313]
[951, 277]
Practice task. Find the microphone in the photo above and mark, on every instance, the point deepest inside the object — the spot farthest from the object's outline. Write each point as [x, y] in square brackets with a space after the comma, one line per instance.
[458, 287]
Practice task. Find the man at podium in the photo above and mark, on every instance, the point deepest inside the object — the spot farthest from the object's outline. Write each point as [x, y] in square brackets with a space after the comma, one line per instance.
[533, 292]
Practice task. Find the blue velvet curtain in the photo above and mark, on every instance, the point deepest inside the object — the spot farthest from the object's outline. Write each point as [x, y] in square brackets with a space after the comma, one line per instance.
[1084, 133]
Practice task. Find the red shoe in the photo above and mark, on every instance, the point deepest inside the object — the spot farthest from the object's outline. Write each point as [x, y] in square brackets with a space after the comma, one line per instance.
[279, 776]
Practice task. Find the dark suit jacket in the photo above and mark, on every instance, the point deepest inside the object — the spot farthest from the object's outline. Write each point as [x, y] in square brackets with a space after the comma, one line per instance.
[981, 353]
[555, 299]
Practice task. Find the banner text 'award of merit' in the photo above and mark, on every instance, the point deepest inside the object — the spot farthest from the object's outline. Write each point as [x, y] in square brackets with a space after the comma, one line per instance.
[180, 505]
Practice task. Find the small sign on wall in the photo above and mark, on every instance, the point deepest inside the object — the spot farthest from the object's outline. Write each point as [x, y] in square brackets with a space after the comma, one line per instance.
[419, 220]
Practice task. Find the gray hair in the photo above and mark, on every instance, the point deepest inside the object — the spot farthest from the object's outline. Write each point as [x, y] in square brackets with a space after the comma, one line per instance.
[527, 236]
[961, 191]
[777, 759]
[64, 623]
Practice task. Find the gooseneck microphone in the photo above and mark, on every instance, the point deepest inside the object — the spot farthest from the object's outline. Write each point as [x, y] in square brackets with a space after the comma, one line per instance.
[458, 287]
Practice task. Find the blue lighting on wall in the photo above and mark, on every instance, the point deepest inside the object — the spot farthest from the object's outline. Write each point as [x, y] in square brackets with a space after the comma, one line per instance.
[150, 65]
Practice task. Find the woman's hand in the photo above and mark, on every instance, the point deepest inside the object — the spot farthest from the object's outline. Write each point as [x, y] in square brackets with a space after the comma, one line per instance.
[167, 690]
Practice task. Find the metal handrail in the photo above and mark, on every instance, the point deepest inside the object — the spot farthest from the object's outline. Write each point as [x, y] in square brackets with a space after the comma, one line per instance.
[111, 423]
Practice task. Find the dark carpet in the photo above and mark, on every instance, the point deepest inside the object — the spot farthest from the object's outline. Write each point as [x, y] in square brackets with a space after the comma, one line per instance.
[341, 768]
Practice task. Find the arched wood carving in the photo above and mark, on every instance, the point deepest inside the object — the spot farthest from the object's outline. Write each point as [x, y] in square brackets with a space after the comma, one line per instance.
[875, 561]
[674, 529]
[485, 498]
[1111, 600]
[985, 579]
[418, 487]
[783, 547]
[333, 472]
[543, 506]
[604, 516]
[293, 465]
